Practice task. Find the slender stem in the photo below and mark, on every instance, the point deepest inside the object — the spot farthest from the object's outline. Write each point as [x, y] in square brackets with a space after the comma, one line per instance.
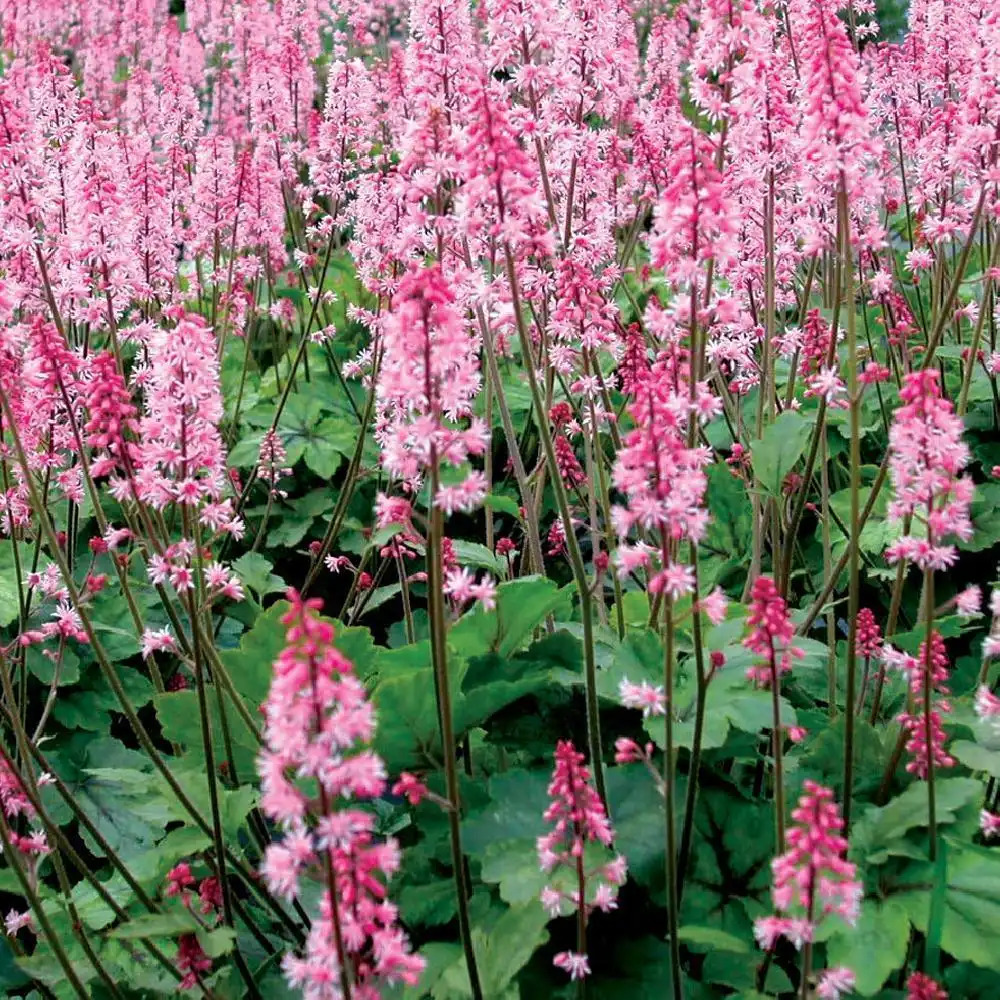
[572, 545]
[694, 767]
[853, 568]
[805, 987]
[439, 655]
[779, 768]
[928, 680]
[670, 844]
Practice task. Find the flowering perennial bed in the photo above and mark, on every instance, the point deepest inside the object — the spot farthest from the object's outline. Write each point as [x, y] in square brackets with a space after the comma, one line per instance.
[499, 500]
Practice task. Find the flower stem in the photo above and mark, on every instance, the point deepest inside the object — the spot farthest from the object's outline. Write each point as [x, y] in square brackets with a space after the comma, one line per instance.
[673, 920]
[572, 545]
[854, 398]
[928, 720]
[779, 765]
[439, 656]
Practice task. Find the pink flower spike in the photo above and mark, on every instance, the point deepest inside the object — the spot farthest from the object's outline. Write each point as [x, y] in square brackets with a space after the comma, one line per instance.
[813, 877]
[921, 987]
[318, 726]
[771, 633]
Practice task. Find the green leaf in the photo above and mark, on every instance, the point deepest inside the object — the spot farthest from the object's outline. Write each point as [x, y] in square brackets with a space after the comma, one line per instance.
[730, 871]
[641, 972]
[431, 904]
[976, 757]
[180, 717]
[712, 939]
[775, 453]
[217, 942]
[875, 948]
[121, 798]
[522, 606]
[255, 571]
[9, 607]
[152, 925]
[730, 527]
[640, 828]
[502, 950]
[250, 665]
[881, 832]
[505, 505]
[87, 707]
[407, 735]
[512, 865]
[971, 903]
[474, 554]
[42, 667]
[517, 801]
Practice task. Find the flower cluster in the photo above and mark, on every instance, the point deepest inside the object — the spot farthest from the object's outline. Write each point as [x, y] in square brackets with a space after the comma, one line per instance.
[318, 724]
[927, 456]
[771, 633]
[813, 878]
[927, 673]
[578, 819]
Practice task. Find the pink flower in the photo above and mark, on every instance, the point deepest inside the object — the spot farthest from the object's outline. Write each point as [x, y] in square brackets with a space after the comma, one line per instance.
[769, 930]
[675, 580]
[411, 787]
[154, 641]
[461, 586]
[318, 724]
[921, 987]
[715, 606]
[828, 384]
[927, 672]
[579, 818]
[834, 983]
[989, 823]
[987, 706]
[771, 633]
[191, 961]
[813, 877]
[15, 922]
[919, 260]
[576, 965]
[651, 700]
[272, 463]
[927, 456]
[112, 415]
[180, 440]
[629, 752]
[868, 637]
[179, 879]
[969, 601]
[427, 382]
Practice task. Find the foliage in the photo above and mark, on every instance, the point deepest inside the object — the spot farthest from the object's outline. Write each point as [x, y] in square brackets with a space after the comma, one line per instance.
[620, 379]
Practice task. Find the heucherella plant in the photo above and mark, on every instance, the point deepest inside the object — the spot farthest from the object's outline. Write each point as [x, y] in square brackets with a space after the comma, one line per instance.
[605, 369]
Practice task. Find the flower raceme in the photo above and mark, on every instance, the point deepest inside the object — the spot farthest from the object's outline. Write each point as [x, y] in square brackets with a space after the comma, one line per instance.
[771, 633]
[428, 379]
[578, 819]
[318, 724]
[927, 671]
[927, 456]
[812, 878]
